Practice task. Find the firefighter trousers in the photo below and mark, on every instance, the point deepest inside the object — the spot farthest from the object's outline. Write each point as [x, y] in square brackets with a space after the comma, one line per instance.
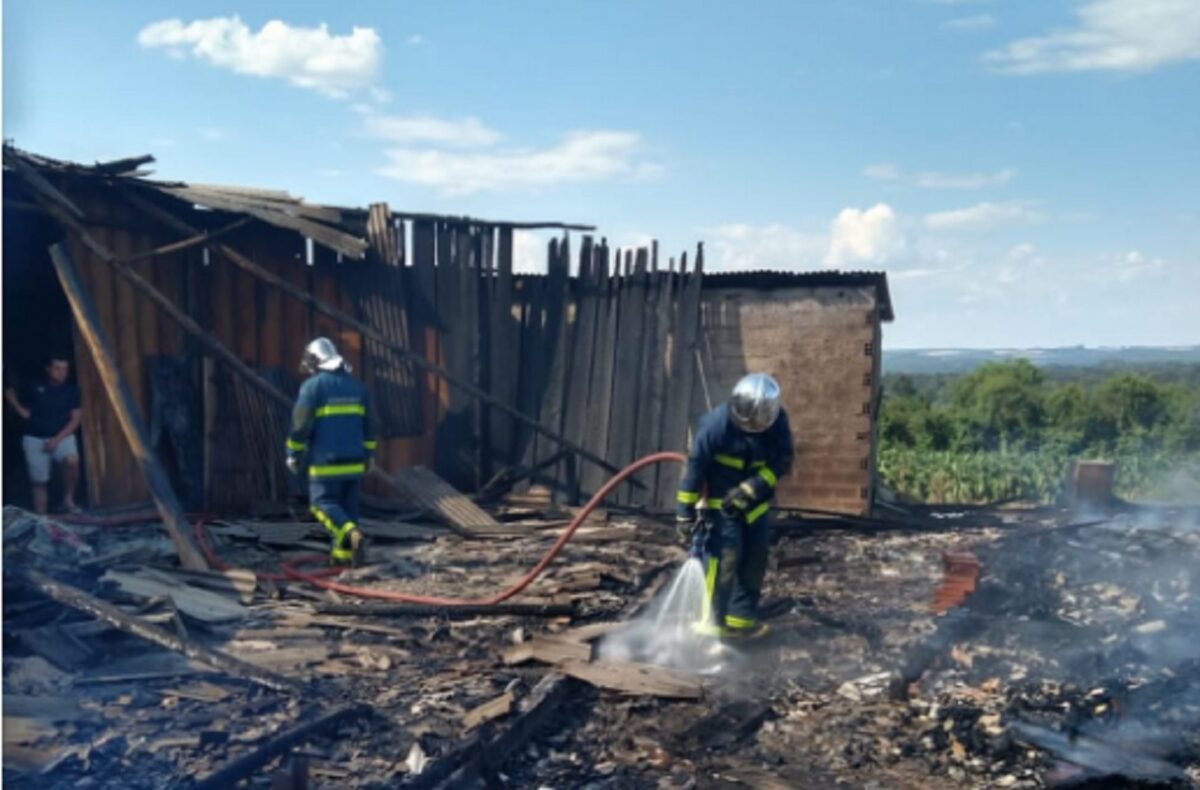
[735, 563]
[334, 501]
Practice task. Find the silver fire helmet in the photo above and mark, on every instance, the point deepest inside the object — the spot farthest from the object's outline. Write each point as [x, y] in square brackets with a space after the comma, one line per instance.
[321, 354]
[754, 406]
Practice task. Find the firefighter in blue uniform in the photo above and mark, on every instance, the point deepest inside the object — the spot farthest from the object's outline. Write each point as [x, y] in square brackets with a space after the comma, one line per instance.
[332, 434]
[740, 451]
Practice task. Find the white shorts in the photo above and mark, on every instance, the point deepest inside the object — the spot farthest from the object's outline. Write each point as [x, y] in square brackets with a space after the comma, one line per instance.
[38, 460]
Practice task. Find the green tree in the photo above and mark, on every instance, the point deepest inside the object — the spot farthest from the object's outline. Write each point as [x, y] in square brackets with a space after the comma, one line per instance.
[1002, 403]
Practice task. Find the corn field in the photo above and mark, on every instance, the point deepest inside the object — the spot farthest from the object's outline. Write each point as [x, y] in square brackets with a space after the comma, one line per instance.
[944, 477]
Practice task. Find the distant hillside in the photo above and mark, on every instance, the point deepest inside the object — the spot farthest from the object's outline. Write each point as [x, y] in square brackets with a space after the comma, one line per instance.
[960, 360]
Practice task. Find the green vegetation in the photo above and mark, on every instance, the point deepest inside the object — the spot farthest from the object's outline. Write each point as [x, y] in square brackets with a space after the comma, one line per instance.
[1011, 429]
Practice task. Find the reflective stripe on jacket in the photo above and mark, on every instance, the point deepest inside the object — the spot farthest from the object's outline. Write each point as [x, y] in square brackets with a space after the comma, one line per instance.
[332, 425]
[724, 457]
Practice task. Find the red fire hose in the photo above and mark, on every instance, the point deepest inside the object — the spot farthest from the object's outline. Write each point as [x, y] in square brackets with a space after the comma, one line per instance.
[320, 577]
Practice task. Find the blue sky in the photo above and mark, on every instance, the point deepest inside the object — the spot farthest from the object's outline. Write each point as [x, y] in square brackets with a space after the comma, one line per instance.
[1026, 171]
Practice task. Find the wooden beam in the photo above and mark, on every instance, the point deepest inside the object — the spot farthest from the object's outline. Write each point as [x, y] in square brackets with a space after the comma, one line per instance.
[243, 766]
[124, 405]
[107, 613]
[348, 320]
[204, 237]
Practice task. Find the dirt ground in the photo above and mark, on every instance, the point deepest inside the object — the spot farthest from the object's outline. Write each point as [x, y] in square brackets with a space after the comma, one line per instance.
[1075, 636]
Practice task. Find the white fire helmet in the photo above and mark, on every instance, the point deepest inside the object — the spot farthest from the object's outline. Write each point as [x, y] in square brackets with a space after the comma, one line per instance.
[754, 406]
[321, 354]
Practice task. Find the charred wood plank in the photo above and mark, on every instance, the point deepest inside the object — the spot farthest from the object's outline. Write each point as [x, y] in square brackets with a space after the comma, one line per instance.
[280, 744]
[105, 612]
[422, 610]
[426, 490]
[477, 756]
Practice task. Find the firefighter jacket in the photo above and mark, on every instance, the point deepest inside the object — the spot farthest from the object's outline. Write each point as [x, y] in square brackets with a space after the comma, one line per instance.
[725, 457]
[332, 425]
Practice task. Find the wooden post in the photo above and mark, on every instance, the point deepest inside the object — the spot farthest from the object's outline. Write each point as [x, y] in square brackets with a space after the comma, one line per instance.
[122, 401]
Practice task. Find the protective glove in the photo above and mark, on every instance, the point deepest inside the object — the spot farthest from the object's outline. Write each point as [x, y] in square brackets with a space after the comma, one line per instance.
[736, 501]
[294, 464]
[685, 521]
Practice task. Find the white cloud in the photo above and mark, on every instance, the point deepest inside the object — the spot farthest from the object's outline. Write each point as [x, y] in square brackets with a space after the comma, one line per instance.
[974, 22]
[214, 135]
[580, 157]
[743, 247]
[871, 236]
[983, 216]
[1111, 35]
[931, 179]
[308, 57]
[467, 132]
[416, 40]
[1134, 265]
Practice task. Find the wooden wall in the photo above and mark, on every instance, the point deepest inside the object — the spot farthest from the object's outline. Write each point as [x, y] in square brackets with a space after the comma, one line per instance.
[243, 430]
[621, 357]
[605, 358]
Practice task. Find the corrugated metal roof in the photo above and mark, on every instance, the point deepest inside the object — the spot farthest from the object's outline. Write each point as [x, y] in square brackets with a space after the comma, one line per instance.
[823, 278]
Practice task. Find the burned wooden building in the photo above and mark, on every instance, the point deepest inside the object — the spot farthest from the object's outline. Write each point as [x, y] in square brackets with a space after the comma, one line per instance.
[207, 295]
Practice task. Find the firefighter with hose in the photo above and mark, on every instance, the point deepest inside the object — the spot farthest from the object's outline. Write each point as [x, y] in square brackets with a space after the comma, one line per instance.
[332, 434]
[740, 451]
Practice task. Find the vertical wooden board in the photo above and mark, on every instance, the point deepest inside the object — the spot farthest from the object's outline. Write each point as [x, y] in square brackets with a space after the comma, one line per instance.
[581, 355]
[454, 456]
[678, 401]
[667, 478]
[349, 340]
[600, 393]
[422, 326]
[533, 365]
[483, 283]
[558, 341]
[381, 300]
[246, 320]
[649, 431]
[325, 288]
[92, 395]
[505, 349]
[148, 330]
[471, 254]
[297, 316]
[224, 325]
[127, 347]
[270, 320]
[627, 384]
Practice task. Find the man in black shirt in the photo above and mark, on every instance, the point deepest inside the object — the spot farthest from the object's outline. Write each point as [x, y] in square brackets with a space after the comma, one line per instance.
[51, 410]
